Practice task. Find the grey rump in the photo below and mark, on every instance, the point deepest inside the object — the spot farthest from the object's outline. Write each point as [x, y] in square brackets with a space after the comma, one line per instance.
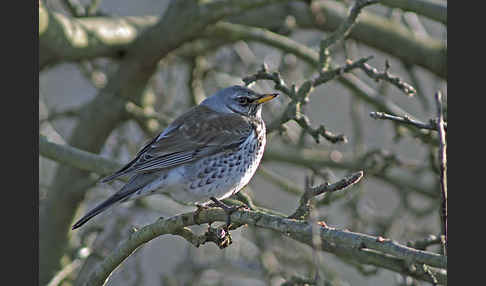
[212, 150]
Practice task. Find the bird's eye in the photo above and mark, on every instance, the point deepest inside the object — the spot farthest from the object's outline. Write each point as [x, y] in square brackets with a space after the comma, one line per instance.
[242, 100]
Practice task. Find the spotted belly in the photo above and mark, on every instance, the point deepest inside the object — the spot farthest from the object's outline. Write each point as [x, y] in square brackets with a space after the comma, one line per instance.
[221, 175]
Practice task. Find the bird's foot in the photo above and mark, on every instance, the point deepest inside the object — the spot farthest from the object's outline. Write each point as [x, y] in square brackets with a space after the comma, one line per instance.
[228, 210]
[220, 236]
[197, 212]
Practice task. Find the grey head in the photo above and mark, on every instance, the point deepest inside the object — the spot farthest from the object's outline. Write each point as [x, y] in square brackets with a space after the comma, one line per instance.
[238, 99]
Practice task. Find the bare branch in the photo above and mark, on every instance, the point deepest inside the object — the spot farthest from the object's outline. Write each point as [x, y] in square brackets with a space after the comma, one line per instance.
[304, 206]
[433, 9]
[263, 74]
[424, 243]
[70, 156]
[386, 76]
[65, 272]
[300, 96]
[442, 163]
[316, 160]
[344, 241]
[432, 125]
[343, 30]
[331, 74]
[266, 220]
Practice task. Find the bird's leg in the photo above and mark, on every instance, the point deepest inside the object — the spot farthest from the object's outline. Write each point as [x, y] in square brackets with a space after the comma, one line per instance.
[227, 209]
[197, 212]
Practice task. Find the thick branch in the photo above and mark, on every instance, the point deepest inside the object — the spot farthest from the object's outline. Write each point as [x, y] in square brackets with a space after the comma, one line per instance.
[371, 29]
[70, 156]
[344, 240]
[82, 160]
[235, 32]
[384, 34]
[433, 9]
[62, 38]
[58, 35]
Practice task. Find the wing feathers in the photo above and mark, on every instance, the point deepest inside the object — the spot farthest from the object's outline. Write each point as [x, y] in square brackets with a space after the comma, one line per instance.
[197, 133]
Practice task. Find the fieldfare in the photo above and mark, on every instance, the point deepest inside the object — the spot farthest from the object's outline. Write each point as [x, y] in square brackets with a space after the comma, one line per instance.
[208, 153]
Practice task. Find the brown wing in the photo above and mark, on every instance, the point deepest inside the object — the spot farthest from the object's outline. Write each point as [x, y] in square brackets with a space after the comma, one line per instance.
[195, 134]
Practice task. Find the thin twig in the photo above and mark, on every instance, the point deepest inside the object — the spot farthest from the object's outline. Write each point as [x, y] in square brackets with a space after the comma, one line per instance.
[432, 125]
[65, 272]
[330, 75]
[424, 243]
[300, 96]
[342, 31]
[304, 206]
[263, 73]
[387, 76]
[443, 163]
[304, 122]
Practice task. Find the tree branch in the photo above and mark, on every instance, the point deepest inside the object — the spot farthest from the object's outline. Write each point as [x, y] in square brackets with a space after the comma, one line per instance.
[74, 157]
[87, 161]
[275, 222]
[316, 160]
[344, 28]
[236, 32]
[345, 241]
[433, 9]
[432, 125]
[303, 210]
[386, 76]
[386, 35]
[91, 37]
[442, 163]
[63, 38]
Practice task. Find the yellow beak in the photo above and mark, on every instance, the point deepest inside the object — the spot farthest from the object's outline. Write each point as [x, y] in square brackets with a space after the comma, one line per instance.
[266, 97]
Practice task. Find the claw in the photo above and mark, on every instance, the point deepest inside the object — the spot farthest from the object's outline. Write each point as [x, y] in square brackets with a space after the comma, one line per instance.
[228, 210]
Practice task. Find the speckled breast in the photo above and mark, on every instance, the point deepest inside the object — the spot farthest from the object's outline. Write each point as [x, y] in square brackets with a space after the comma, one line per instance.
[224, 174]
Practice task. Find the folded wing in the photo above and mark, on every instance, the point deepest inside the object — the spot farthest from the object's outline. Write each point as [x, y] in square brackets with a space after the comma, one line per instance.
[194, 135]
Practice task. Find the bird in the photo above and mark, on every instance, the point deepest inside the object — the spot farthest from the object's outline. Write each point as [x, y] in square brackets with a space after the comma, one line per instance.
[208, 153]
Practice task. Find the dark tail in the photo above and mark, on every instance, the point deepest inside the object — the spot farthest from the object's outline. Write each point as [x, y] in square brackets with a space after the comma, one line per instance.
[101, 207]
[112, 177]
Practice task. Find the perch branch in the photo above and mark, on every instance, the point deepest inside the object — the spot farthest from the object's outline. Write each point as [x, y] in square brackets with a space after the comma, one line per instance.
[346, 241]
[301, 230]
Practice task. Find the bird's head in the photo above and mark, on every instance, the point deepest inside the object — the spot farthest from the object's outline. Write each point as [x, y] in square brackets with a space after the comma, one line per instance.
[238, 99]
